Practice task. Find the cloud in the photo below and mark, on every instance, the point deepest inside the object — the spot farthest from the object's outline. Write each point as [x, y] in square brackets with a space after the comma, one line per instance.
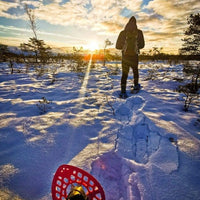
[162, 21]
[111, 26]
[110, 17]
[150, 21]
[70, 13]
[170, 42]
[83, 13]
[107, 28]
[100, 15]
[5, 6]
[31, 3]
[174, 9]
[19, 31]
[135, 5]
[160, 36]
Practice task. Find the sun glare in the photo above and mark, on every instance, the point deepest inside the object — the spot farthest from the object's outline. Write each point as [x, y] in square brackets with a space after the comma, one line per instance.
[93, 45]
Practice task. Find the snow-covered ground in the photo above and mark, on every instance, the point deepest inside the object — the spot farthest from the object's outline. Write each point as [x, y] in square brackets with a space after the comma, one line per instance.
[143, 147]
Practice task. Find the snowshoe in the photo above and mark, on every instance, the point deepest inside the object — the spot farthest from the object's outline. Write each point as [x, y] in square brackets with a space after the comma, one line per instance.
[73, 183]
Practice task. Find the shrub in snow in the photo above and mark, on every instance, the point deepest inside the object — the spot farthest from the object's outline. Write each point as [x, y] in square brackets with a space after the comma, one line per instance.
[78, 64]
[152, 74]
[190, 96]
[191, 90]
[4, 53]
[43, 105]
[11, 66]
[194, 72]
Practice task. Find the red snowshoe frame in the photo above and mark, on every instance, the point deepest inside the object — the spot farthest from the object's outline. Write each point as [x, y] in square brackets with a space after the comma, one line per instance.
[67, 175]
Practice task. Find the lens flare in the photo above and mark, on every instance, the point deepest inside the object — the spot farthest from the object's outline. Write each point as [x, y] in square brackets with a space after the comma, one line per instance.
[93, 45]
[85, 81]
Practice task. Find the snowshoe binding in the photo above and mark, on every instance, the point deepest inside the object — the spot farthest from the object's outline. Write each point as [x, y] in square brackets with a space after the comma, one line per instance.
[77, 193]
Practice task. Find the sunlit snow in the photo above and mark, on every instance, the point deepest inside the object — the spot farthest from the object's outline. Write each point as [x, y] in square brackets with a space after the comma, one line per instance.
[143, 147]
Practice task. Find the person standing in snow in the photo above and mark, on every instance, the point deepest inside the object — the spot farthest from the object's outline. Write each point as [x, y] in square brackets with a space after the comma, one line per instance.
[130, 41]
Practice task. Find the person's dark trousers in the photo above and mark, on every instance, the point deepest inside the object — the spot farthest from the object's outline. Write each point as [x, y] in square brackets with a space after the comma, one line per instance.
[127, 62]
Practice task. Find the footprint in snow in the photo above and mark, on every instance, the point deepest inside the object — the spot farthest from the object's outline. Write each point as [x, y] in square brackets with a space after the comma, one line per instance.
[126, 109]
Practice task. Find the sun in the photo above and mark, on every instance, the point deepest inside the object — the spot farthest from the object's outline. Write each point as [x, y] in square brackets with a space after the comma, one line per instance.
[93, 45]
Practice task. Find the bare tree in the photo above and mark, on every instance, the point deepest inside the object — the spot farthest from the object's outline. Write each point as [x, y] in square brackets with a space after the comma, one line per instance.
[107, 43]
[32, 20]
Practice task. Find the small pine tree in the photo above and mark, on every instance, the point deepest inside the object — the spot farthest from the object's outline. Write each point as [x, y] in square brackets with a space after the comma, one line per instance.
[37, 48]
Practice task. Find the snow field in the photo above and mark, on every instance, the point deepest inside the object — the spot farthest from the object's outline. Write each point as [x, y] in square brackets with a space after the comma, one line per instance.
[143, 147]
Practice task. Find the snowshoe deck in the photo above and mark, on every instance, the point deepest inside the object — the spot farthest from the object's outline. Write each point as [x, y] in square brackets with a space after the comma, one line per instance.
[67, 175]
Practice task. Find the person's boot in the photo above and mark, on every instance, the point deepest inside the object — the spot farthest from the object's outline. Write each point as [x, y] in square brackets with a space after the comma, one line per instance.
[123, 92]
[137, 87]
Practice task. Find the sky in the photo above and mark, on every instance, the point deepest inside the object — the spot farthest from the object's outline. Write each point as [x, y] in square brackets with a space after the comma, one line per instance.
[67, 23]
